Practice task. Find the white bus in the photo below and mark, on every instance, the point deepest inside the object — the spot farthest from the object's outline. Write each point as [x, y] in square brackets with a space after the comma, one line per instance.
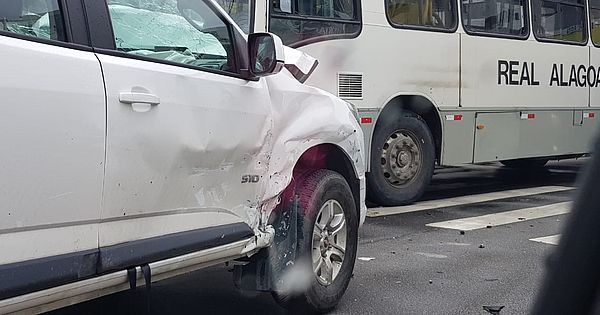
[449, 82]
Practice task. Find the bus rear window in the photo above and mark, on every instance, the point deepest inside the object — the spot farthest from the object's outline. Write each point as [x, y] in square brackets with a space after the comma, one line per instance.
[300, 21]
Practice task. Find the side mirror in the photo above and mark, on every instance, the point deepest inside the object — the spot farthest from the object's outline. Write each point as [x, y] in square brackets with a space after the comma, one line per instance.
[266, 53]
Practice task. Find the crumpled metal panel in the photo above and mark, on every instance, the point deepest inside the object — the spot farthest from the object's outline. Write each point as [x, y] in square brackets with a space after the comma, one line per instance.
[303, 118]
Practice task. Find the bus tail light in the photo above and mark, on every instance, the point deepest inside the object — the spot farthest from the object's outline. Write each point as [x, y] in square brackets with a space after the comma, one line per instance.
[366, 120]
[589, 115]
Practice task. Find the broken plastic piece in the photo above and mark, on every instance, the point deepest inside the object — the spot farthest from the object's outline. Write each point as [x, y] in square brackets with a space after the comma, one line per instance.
[493, 309]
[366, 258]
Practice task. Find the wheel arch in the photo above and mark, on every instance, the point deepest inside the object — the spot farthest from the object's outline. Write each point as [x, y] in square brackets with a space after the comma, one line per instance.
[420, 105]
[332, 157]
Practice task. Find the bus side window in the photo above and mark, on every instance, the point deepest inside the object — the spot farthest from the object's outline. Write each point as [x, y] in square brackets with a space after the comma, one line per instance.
[504, 18]
[595, 21]
[560, 20]
[435, 14]
[297, 21]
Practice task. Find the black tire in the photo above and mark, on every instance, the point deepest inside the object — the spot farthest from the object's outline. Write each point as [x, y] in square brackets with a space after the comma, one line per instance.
[525, 163]
[312, 192]
[380, 186]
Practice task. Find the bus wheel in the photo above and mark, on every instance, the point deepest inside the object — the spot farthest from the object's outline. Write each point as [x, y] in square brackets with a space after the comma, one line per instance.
[525, 163]
[402, 159]
[326, 246]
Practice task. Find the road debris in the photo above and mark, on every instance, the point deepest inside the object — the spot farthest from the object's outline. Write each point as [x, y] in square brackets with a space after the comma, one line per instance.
[495, 310]
[366, 258]
[481, 246]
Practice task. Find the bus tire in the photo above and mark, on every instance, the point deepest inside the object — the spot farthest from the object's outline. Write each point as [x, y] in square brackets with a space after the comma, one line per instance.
[525, 163]
[402, 159]
[326, 246]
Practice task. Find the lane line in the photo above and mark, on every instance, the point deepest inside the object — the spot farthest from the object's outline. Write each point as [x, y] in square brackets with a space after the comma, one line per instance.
[507, 217]
[463, 200]
[552, 239]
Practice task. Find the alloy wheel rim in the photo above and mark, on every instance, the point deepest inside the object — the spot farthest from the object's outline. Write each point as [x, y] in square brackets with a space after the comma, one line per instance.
[329, 242]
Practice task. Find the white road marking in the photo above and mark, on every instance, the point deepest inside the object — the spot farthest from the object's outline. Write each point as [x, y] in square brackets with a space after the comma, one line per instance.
[432, 255]
[507, 217]
[463, 200]
[552, 239]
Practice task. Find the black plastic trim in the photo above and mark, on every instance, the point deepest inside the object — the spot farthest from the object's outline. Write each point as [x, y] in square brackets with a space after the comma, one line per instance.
[44, 273]
[75, 22]
[39, 274]
[423, 27]
[162, 247]
[564, 42]
[252, 16]
[122, 54]
[356, 21]
[99, 25]
[496, 35]
[46, 41]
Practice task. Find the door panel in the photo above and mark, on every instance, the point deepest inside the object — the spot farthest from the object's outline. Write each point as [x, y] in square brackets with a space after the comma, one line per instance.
[52, 121]
[178, 166]
[183, 132]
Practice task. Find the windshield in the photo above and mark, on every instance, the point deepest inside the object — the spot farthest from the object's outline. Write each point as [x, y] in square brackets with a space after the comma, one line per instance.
[240, 11]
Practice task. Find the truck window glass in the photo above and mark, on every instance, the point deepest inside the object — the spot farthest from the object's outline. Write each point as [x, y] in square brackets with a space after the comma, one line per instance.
[180, 31]
[34, 18]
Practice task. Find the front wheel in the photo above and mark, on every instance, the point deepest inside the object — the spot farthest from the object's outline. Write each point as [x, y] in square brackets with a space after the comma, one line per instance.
[402, 159]
[327, 242]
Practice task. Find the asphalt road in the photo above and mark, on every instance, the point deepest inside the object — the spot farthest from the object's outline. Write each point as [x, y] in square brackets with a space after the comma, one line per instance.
[408, 267]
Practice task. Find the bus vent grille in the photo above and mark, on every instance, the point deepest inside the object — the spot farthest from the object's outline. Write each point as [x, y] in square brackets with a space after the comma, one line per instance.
[350, 85]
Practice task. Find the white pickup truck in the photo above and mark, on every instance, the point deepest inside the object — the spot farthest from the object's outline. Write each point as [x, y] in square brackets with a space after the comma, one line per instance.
[146, 139]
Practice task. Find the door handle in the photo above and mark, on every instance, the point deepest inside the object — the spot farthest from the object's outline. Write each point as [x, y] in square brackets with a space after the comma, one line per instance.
[138, 98]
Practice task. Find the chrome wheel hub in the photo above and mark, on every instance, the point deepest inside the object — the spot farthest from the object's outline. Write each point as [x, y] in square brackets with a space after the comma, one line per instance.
[329, 242]
[401, 158]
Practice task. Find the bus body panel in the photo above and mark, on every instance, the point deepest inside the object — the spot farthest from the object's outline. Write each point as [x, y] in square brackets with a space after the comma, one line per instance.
[509, 135]
[407, 66]
[522, 73]
[595, 62]
[457, 152]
